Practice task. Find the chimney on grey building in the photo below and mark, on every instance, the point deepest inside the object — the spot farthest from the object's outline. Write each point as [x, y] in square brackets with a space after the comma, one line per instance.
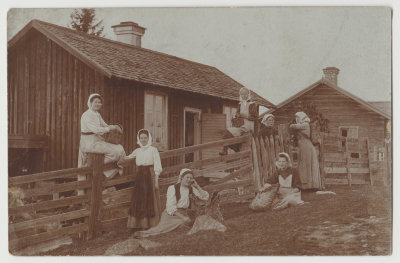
[129, 33]
[331, 74]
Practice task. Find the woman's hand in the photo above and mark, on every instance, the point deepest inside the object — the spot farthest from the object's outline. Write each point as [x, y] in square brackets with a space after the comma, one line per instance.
[196, 185]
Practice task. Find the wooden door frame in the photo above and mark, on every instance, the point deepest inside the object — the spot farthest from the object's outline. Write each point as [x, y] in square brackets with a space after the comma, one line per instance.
[192, 110]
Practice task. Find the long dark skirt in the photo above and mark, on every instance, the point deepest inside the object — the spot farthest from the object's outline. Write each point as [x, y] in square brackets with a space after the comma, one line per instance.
[227, 135]
[145, 210]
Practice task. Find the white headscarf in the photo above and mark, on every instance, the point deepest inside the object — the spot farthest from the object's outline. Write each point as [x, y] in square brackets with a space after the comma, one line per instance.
[183, 172]
[90, 98]
[303, 117]
[285, 155]
[149, 142]
[242, 101]
[266, 117]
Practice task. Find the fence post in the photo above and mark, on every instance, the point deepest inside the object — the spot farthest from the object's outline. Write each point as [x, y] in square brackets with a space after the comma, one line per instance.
[96, 161]
[322, 161]
[371, 180]
[256, 171]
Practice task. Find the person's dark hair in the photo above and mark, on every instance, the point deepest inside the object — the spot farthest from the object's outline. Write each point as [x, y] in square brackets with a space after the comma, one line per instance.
[143, 132]
[96, 97]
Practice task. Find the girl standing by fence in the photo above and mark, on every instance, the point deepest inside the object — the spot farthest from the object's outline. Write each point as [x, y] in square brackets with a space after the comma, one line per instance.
[308, 164]
[145, 211]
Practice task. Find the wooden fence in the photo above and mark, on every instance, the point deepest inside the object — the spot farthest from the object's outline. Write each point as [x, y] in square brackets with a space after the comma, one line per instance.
[345, 160]
[52, 208]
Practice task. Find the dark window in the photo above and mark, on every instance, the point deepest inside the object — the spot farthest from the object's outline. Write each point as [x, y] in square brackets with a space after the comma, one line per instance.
[344, 132]
[355, 155]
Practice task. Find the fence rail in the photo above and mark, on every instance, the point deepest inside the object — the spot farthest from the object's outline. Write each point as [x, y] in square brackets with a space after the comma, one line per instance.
[53, 209]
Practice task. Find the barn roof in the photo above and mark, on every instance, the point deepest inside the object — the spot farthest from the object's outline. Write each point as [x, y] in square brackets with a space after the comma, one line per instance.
[332, 85]
[120, 60]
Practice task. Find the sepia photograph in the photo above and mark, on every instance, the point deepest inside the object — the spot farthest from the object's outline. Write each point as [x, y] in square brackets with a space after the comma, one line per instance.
[200, 131]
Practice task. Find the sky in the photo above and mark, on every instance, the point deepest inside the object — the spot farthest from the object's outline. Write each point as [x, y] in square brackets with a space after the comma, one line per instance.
[274, 51]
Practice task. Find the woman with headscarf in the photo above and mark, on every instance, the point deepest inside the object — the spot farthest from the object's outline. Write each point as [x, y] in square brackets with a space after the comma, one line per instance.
[145, 210]
[308, 163]
[246, 115]
[267, 126]
[177, 211]
[93, 127]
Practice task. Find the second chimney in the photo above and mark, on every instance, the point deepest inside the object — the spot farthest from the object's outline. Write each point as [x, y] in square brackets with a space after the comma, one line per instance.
[129, 33]
[331, 74]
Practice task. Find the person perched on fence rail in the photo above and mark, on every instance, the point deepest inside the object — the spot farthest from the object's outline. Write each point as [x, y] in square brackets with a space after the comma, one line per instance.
[145, 210]
[267, 126]
[246, 115]
[93, 129]
[181, 208]
[308, 163]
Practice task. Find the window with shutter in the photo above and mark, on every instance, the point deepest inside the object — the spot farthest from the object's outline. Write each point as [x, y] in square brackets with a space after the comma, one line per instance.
[155, 118]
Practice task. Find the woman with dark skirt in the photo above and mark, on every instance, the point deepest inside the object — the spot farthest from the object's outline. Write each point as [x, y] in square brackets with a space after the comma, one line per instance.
[244, 120]
[308, 163]
[145, 211]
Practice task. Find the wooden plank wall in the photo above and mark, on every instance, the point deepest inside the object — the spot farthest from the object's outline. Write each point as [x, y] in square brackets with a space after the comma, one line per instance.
[48, 91]
[339, 110]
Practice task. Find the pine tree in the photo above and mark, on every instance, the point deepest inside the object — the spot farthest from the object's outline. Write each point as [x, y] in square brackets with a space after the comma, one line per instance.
[84, 20]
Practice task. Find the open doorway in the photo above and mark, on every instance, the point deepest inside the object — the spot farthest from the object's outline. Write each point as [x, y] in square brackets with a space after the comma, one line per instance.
[192, 134]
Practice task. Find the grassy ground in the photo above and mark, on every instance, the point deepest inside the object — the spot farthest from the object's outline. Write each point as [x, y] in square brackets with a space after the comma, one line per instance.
[356, 221]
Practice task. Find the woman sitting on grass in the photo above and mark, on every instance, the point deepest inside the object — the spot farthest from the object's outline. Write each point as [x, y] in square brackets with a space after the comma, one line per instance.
[288, 193]
[181, 207]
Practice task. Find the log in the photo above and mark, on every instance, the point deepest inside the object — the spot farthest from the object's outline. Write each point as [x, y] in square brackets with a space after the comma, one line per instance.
[245, 169]
[57, 188]
[33, 239]
[46, 220]
[48, 205]
[219, 187]
[47, 175]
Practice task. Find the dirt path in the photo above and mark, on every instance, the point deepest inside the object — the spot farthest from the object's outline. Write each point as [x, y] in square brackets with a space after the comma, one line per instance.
[356, 221]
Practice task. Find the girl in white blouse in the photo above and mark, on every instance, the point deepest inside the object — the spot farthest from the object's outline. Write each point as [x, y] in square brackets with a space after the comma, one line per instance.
[145, 211]
[93, 127]
[178, 203]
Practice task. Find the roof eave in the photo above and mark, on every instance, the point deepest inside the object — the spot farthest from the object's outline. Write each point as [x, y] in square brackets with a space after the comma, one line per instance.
[36, 25]
[335, 87]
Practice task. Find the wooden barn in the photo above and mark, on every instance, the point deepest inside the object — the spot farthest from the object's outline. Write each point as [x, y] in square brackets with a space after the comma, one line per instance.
[53, 69]
[347, 115]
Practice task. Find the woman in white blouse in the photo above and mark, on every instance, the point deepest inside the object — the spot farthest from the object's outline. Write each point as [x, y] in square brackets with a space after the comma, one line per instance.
[93, 127]
[145, 211]
[178, 204]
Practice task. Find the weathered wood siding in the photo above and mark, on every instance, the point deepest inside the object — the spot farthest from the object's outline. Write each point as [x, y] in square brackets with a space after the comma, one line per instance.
[340, 111]
[47, 94]
[48, 90]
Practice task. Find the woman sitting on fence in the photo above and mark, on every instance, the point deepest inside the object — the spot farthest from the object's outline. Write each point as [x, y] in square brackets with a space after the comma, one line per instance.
[145, 211]
[267, 126]
[244, 120]
[93, 127]
[308, 163]
[182, 207]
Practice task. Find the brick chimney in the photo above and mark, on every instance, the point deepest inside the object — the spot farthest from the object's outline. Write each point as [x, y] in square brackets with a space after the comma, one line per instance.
[331, 74]
[129, 33]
